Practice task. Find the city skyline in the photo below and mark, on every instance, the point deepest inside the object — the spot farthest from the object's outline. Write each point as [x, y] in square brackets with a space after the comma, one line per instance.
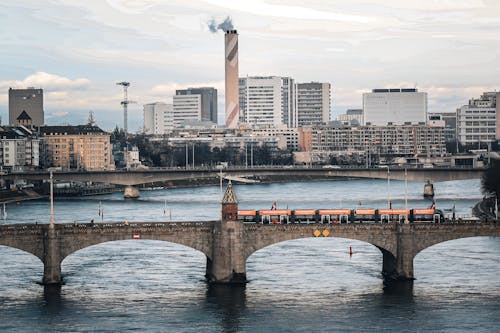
[77, 52]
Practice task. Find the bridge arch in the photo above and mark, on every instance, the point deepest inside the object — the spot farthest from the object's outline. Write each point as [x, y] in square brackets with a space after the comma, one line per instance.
[261, 236]
[194, 235]
[22, 245]
[131, 255]
[16, 262]
[468, 260]
[193, 244]
[445, 236]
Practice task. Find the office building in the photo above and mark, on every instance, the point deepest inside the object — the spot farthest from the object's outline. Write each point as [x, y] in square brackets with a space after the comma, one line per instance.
[478, 121]
[158, 118]
[312, 103]
[395, 106]
[208, 98]
[26, 107]
[187, 108]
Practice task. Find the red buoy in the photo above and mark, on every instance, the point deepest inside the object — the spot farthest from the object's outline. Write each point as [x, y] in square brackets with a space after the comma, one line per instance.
[350, 250]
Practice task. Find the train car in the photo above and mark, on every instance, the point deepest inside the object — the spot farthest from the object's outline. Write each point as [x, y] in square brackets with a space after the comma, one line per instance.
[393, 215]
[247, 216]
[304, 216]
[365, 215]
[275, 216]
[426, 215]
[334, 215]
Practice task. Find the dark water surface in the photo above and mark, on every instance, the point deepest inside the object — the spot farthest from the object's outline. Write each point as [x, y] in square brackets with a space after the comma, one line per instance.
[306, 285]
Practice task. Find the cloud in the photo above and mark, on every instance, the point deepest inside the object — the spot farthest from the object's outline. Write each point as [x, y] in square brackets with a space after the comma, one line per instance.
[49, 82]
[259, 7]
[57, 114]
[169, 89]
[134, 7]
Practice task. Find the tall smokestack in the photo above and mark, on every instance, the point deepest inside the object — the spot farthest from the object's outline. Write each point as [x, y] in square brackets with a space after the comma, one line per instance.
[232, 86]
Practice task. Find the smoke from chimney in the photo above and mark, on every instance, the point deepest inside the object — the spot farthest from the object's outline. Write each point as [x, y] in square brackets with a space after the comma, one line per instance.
[226, 25]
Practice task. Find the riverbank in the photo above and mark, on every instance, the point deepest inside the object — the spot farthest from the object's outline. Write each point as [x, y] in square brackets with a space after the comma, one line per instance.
[485, 209]
[9, 196]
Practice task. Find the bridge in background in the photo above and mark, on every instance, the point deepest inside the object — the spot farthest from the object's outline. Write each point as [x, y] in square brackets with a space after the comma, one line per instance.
[137, 177]
[228, 243]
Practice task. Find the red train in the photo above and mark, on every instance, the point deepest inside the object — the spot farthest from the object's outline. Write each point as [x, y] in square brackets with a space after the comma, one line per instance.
[362, 215]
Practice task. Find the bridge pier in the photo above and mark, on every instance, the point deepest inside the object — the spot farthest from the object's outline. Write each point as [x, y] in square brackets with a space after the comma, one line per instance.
[400, 266]
[51, 259]
[228, 264]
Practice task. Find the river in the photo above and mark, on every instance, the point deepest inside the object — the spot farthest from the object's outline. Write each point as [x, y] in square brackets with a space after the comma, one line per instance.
[306, 285]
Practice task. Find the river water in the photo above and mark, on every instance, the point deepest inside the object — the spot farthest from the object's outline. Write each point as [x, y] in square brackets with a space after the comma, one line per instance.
[306, 285]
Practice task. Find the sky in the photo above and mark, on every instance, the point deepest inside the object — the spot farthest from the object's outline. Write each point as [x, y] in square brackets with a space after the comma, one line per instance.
[77, 50]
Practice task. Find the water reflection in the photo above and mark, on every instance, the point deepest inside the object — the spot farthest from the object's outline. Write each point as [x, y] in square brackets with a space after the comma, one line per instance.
[52, 298]
[230, 301]
[402, 288]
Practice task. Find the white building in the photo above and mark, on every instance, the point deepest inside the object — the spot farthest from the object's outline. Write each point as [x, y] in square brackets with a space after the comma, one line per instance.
[267, 100]
[158, 118]
[187, 108]
[350, 116]
[477, 121]
[396, 106]
[19, 148]
[312, 104]
[288, 138]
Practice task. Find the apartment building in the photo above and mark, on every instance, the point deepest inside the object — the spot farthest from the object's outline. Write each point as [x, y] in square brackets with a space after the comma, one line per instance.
[404, 140]
[82, 147]
[267, 101]
[19, 148]
[312, 104]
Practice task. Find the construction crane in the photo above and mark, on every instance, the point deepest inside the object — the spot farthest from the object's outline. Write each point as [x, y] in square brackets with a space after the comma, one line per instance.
[125, 103]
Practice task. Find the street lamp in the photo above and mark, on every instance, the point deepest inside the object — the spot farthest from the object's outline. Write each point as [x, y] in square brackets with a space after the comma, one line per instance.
[406, 196]
[388, 185]
[51, 223]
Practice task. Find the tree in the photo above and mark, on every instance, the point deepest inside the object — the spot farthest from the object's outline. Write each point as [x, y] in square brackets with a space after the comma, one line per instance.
[490, 181]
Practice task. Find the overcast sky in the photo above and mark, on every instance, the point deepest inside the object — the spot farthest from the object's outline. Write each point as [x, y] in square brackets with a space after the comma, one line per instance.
[77, 50]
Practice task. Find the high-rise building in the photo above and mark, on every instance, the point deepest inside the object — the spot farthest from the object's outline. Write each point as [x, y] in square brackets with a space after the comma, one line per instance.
[267, 100]
[26, 107]
[313, 104]
[395, 106]
[187, 108]
[208, 101]
[158, 118]
[231, 62]
[478, 121]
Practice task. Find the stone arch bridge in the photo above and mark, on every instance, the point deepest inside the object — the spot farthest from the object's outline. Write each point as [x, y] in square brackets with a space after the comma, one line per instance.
[228, 244]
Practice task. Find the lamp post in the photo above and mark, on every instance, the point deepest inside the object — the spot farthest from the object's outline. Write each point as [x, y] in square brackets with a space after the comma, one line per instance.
[51, 225]
[406, 196]
[388, 185]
